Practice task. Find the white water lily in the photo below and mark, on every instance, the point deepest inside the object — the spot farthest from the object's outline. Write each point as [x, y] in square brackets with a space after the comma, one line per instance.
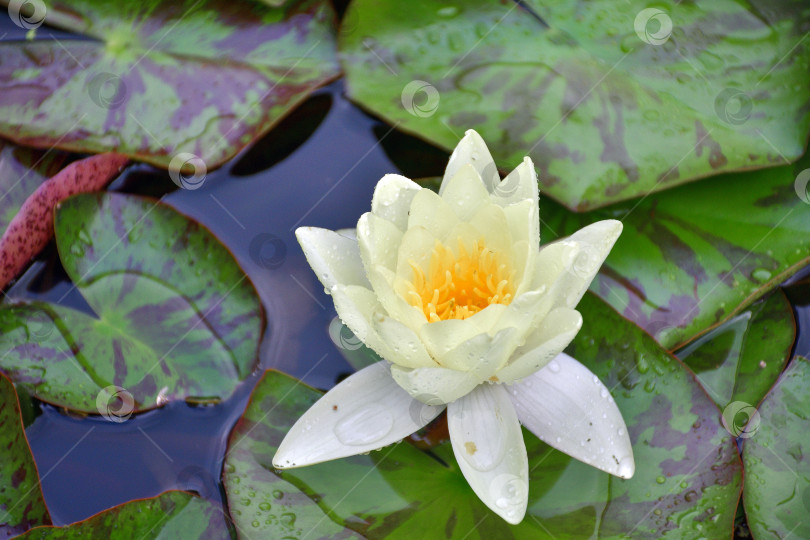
[469, 314]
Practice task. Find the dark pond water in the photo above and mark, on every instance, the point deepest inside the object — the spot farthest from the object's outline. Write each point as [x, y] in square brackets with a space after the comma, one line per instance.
[318, 168]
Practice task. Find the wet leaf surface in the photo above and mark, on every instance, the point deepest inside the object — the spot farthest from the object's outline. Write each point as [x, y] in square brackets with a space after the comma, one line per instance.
[173, 514]
[22, 505]
[156, 79]
[686, 484]
[610, 101]
[740, 360]
[177, 318]
[777, 472]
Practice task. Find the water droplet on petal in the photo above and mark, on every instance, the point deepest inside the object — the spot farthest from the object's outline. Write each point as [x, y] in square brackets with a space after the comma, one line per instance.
[366, 425]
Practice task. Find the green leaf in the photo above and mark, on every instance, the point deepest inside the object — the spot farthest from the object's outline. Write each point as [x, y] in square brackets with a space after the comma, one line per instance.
[22, 505]
[173, 514]
[777, 473]
[693, 257]
[22, 170]
[162, 78]
[177, 318]
[686, 484]
[604, 115]
[740, 360]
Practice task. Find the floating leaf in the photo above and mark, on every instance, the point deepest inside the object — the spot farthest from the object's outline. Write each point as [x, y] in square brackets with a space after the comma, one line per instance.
[777, 473]
[687, 478]
[22, 505]
[611, 102]
[177, 316]
[692, 257]
[740, 360]
[173, 514]
[164, 81]
[32, 228]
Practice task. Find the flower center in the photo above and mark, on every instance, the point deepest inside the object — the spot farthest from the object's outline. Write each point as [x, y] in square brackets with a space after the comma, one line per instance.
[459, 285]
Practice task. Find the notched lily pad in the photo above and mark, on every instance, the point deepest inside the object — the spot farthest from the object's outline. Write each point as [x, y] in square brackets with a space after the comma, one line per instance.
[160, 80]
[173, 514]
[611, 102]
[176, 317]
[22, 505]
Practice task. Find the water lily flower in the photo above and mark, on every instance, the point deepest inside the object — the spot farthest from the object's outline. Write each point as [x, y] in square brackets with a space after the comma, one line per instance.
[470, 314]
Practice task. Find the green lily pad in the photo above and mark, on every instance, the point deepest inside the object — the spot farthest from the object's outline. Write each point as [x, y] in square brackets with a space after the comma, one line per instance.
[777, 473]
[177, 318]
[22, 505]
[173, 514]
[740, 360]
[687, 480]
[22, 170]
[692, 257]
[159, 80]
[611, 102]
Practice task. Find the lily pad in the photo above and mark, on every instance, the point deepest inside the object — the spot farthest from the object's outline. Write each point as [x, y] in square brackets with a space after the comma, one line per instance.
[740, 360]
[177, 318]
[22, 505]
[687, 479]
[173, 514]
[777, 472]
[692, 257]
[611, 102]
[159, 80]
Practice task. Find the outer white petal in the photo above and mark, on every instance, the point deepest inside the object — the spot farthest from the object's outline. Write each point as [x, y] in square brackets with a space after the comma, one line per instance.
[569, 408]
[431, 212]
[348, 233]
[482, 355]
[364, 412]
[489, 448]
[334, 257]
[405, 344]
[392, 199]
[472, 150]
[555, 333]
[434, 385]
[523, 222]
[357, 307]
[441, 337]
[567, 267]
[465, 192]
[520, 184]
[378, 239]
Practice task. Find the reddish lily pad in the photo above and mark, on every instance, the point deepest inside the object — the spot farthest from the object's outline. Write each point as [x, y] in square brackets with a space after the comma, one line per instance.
[22, 505]
[177, 318]
[777, 471]
[611, 102]
[173, 514]
[160, 80]
[687, 480]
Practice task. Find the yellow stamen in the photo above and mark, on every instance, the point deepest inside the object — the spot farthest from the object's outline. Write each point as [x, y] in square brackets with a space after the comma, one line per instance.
[459, 285]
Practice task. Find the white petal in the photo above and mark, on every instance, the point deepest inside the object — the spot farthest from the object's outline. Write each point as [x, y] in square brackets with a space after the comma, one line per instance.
[348, 233]
[520, 184]
[334, 257]
[416, 248]
[569, 408]
[523, 222]
[489, 448]
[356, 307]
[392, 199]
[482, 355]
[572, 263]
[363, 413]
[472, 150]
[441, 337]
[408, 350]
[434, 385]
[432, 213]
[378, 239]
[465, 192]
[555, 333]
